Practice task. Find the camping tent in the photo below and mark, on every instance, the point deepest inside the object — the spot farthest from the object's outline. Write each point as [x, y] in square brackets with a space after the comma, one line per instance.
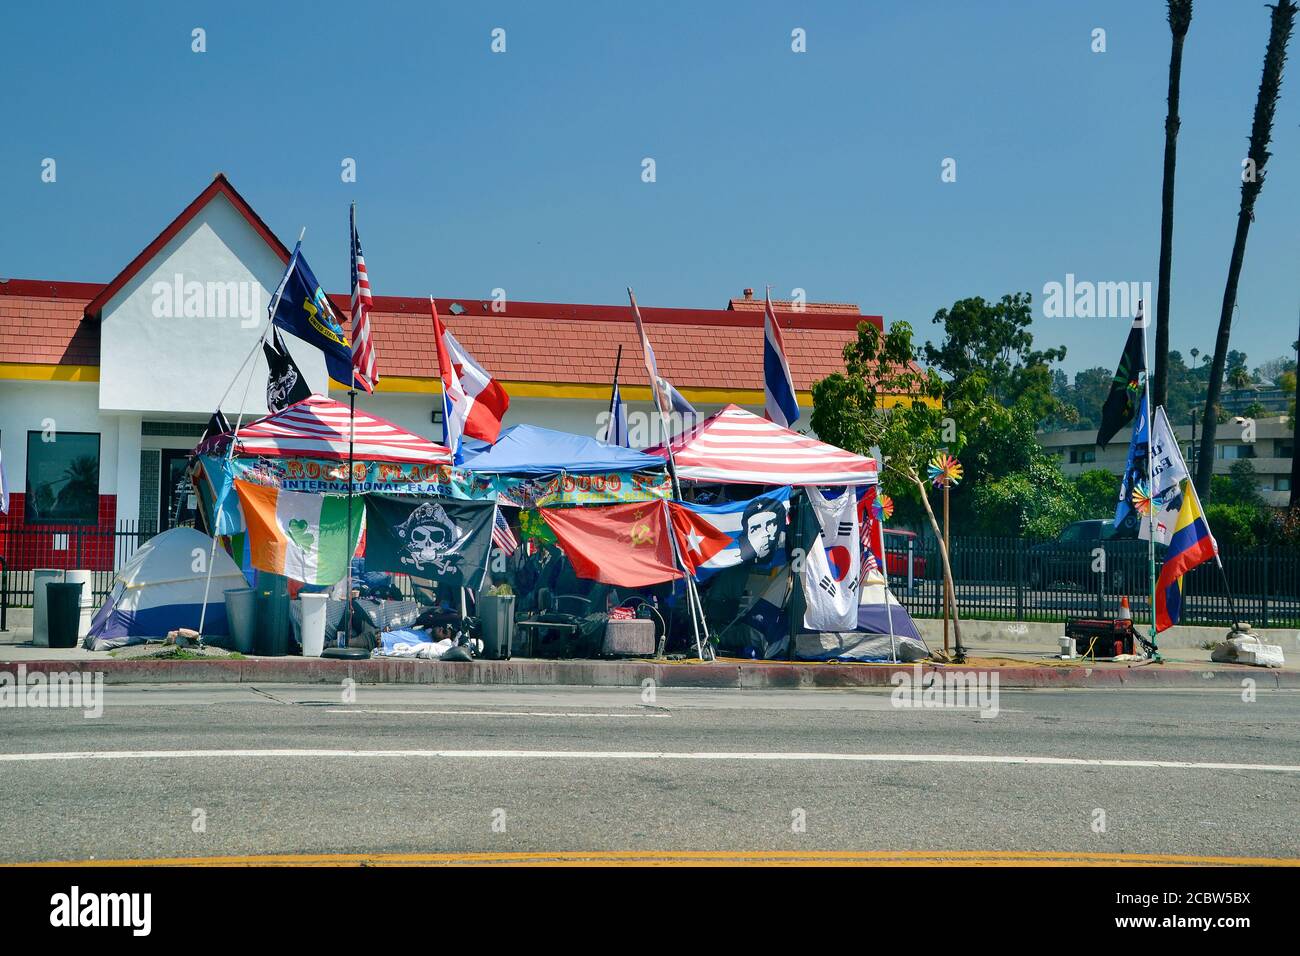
[736, 446]
[159, 589]
[532, 451]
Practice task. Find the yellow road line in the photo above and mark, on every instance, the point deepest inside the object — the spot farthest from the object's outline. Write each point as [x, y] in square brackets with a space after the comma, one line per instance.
[701, 858]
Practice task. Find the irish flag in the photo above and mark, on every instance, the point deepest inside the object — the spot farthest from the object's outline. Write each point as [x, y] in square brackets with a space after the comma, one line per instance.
[302, 536]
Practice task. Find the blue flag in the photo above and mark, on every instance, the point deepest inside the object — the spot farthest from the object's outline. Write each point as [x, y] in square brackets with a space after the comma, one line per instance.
[303, 309]
[1127, 520]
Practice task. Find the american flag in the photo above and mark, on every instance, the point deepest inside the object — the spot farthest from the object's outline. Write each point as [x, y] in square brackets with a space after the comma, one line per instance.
[502, 536]
[363, 347]
[867, 519]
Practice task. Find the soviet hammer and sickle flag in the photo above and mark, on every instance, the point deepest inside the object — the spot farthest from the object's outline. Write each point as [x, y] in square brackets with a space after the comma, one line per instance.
[440, 539]
[624, 545]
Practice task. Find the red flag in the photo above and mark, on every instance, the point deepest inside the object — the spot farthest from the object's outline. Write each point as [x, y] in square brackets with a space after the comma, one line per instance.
[698, 540]
[474, 401]
[623, 545]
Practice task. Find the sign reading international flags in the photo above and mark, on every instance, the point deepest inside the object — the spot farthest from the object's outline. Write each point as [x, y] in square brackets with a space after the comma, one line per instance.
[711, 538]
[302, 308]
[301, 536]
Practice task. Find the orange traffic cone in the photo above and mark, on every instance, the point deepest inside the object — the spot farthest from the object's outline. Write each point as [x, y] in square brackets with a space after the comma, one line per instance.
[1125, 613]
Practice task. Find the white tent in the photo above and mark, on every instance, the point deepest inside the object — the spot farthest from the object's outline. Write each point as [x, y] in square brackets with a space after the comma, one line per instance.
[161, 588]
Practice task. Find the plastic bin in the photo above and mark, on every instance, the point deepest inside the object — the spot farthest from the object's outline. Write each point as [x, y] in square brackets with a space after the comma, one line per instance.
[40, 607]
[272, 630]
[313, 623]
[64, 609]
[87, 599]
[242, 618]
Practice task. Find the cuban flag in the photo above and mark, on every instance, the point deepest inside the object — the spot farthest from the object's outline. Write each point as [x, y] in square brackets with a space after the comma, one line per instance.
[473, 402]
[779, 404]
[711, 538]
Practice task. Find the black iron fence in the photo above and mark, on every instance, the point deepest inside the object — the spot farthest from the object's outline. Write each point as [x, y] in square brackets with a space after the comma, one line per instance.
[1026, 580]
[100, 550]
[997, 578]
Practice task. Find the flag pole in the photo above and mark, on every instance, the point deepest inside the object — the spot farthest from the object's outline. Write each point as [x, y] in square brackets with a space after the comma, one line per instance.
[613, 394]
[884, 574]
[239, 421]
[1151, 511]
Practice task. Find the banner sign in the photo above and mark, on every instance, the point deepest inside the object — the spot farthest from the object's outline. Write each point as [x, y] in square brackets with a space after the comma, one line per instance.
[615, 487]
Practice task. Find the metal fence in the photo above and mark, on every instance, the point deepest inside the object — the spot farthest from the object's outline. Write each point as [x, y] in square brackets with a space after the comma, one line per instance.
[997, 578]
[100, 550]
[1026, 580]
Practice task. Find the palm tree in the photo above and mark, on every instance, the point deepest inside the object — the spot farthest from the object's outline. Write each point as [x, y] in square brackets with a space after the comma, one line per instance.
[1294, 502]
[1261, 133]
[1180, 18]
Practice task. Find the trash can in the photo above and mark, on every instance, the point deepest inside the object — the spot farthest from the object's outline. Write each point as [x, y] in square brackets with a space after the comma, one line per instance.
[272, 631]
[87, 599]
[64, 612]
[313, 623]
[40, 608]
[241, 616]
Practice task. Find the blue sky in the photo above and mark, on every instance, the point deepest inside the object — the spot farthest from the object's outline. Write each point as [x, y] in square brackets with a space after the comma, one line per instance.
[522, 170]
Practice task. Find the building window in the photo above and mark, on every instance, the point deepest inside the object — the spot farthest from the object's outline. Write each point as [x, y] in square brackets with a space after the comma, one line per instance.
[1285, 450]
[1082, 455]
[1282, 484]
[62, 478]
[1232, 452]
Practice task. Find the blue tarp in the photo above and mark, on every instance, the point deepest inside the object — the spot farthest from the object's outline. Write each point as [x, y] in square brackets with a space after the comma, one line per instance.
[532, 451]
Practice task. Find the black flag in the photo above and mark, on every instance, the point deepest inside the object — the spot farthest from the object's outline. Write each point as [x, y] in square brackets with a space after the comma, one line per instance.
[435, 538]
[217, 425]
[285, 384]
[1126, 387]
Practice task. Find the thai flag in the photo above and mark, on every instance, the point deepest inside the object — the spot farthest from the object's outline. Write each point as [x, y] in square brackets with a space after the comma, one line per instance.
[780, 405]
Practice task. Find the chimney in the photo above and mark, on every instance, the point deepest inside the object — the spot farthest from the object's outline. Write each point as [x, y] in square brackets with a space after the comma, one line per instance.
[749, 294]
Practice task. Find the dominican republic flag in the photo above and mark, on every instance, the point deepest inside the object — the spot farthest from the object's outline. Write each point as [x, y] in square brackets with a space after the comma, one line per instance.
[363, 347]
[711, 538]
[473, 402]
[779, 404]
[616, 430]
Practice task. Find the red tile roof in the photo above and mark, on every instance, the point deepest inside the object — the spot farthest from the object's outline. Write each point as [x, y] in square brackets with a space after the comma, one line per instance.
[539, 342]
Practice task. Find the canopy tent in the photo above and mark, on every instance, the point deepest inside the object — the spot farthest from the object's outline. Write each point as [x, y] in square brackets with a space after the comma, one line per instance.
[304, 447]
[159, 590]
[736, 446]
[318, 427]
[532, 451]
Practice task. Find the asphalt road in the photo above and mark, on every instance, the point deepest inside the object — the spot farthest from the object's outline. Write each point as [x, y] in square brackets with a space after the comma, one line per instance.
[565, 770]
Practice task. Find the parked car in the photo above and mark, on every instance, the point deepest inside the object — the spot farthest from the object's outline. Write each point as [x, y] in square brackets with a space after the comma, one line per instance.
[896, 542]
[1070, 558]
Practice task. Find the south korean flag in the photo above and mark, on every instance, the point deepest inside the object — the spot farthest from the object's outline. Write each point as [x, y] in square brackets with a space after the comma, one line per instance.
[833, 567]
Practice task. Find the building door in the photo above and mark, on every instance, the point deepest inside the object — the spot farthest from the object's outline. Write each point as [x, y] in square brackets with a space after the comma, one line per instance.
[177, 502]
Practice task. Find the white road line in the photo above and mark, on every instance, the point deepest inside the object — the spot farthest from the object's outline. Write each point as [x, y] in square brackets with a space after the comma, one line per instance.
[777, 756]
[482, 713]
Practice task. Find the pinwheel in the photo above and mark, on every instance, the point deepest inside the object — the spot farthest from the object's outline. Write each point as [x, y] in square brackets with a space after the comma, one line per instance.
[945, 471]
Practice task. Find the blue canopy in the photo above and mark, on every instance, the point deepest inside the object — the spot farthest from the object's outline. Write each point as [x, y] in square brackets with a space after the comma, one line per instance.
[530, 450]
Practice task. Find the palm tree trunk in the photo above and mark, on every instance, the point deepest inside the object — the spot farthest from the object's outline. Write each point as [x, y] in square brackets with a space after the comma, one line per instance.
[1180, 18]
[1294, 503]
[1261, 132]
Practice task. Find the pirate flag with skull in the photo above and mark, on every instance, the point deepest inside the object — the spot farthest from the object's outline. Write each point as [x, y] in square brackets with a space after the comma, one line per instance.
[435, 538]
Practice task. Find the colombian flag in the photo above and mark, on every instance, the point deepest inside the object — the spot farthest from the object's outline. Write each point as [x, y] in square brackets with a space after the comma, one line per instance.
[1191, 544]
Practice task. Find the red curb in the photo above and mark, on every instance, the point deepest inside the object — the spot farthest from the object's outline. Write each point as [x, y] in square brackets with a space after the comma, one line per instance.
[720, 675]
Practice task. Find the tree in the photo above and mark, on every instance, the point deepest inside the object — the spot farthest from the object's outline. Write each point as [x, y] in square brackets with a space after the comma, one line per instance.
[1293, 501]
[1180, 19]
[849, 411]
[1239, 378]
[1270, 88]
[1098, 491]
[992, 339]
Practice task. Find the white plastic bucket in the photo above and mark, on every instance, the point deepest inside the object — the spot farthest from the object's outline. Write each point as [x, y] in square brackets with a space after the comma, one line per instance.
[87, 599]
[41, 606]
[313, 623]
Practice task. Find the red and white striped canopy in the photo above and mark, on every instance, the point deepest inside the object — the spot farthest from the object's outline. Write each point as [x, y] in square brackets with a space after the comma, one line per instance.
[734, 445]
[317, 427]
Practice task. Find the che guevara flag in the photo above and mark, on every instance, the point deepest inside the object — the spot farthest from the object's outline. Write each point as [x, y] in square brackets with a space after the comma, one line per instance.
[623, 545]
[711, 538]
[303, 309]
[301, 536]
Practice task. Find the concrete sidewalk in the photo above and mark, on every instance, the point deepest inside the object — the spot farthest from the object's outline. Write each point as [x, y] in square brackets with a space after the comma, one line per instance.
[1019, 671]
